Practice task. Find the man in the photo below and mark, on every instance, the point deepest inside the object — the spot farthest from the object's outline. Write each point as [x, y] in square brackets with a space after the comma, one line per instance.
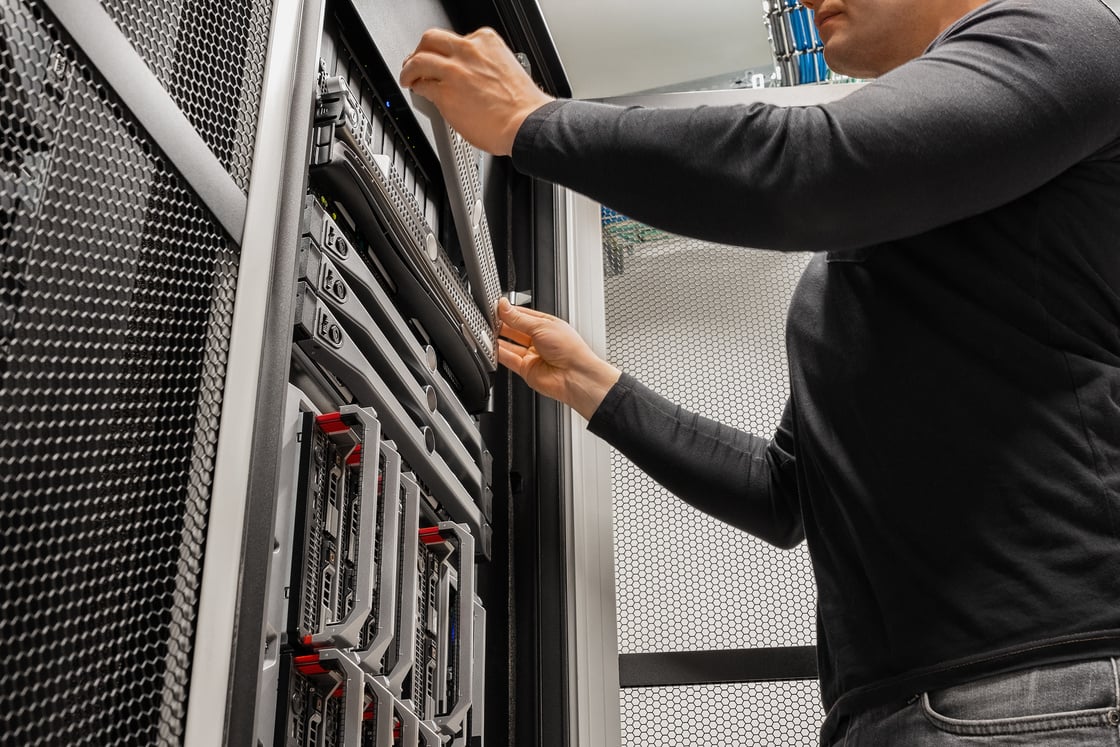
[951, 446]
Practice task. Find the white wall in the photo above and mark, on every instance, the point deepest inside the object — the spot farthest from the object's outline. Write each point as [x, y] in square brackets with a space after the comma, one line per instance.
[616, 47]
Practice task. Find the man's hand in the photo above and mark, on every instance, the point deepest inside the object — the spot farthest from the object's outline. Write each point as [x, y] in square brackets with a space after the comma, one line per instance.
[476, 83]
[553, 359]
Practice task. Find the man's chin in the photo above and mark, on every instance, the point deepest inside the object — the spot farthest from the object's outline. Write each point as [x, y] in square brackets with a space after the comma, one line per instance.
[837, 61]
[844, 64]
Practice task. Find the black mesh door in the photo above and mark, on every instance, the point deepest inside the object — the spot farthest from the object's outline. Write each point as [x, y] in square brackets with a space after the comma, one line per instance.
[116, 300]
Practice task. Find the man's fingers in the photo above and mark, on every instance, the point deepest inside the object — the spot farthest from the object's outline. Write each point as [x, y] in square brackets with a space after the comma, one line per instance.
[440, 41]
[534, 313]
[485, 32]
[511, 356]
[516, 335]
[426, 88]
[423, 66]
[426, 61]
[529, 321]
[517, 319]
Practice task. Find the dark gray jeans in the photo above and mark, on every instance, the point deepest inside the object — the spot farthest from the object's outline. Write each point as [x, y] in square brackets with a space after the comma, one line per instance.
[1067, 705]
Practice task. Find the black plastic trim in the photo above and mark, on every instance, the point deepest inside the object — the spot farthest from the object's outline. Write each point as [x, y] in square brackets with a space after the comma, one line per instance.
[540, 518]
[553, 540]
[717, 667]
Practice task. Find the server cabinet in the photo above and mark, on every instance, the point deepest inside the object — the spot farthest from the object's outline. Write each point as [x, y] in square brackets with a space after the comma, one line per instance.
[262, 481]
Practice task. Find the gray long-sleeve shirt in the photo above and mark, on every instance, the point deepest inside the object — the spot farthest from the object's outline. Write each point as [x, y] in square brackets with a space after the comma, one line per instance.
[951, 447]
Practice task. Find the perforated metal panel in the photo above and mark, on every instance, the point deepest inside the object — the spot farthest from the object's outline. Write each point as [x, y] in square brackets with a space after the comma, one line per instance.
[116, 298]
[471, 222]
[688, 582]
[756, 714]
[703, 325]
[209, 55]
[423, 239]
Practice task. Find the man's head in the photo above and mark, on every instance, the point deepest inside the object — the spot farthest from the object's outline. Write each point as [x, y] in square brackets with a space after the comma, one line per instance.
[866, 38]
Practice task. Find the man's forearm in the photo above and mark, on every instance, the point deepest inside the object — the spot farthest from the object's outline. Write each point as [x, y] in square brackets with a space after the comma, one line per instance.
[734, 476]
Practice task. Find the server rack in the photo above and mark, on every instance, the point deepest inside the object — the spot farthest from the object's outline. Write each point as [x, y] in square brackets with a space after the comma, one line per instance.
[258, 482]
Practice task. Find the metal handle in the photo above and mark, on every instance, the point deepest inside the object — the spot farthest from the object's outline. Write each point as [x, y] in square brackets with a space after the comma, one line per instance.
[452, 721]
[404, 655]
[346, 632]
[358, 684]
[459, 163]
[380, 624]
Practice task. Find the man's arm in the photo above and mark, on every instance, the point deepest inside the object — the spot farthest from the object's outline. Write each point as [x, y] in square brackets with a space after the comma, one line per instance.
[741, 479]
[1014, 94]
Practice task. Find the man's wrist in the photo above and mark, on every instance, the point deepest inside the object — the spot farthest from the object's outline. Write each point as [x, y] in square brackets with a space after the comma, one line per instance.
[590, 388]
[528, 122]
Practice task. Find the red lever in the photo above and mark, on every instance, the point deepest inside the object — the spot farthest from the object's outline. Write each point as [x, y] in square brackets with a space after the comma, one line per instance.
[331, 423]
[354, 458]
[309, 665]
[431, 536]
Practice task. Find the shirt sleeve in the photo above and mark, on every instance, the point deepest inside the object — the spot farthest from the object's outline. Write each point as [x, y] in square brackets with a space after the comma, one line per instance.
[746, 481]
[1007, 98]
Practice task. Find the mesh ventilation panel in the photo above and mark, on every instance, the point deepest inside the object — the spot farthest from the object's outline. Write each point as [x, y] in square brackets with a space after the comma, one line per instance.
[209, 55]
[755, 714]
[713, 341]
[116, 299]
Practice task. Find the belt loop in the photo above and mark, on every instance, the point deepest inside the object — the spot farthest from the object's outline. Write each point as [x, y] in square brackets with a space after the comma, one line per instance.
[1116, 678]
